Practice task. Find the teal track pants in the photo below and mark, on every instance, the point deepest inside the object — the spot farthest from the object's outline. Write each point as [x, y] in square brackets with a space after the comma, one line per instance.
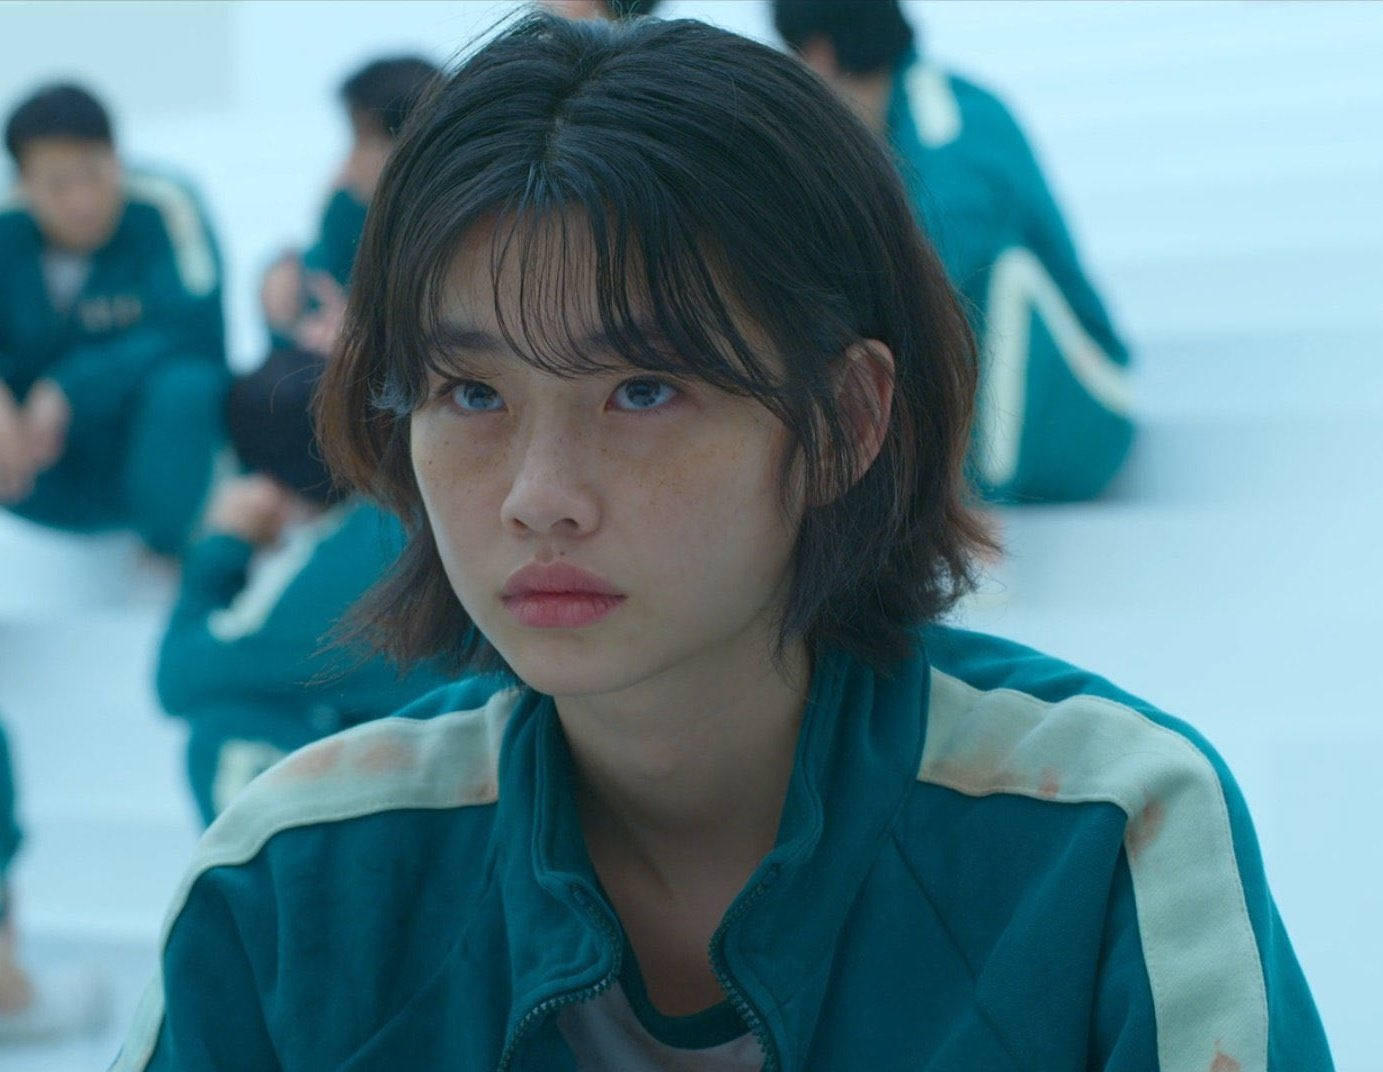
[147, 468]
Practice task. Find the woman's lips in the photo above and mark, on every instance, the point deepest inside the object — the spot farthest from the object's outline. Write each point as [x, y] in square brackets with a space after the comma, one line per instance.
[558, 595]
[560, 610]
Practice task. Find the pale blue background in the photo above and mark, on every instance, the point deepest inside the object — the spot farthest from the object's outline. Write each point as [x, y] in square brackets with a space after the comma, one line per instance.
[1222, 165]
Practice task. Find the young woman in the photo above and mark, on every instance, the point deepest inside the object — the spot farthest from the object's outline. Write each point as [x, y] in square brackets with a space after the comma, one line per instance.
[646, 351]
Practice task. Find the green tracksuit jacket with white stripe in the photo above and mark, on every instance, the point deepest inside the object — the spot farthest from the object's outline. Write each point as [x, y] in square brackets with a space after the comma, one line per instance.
[1052, 418]
[988, 861]
[140, 355]
[244, 658]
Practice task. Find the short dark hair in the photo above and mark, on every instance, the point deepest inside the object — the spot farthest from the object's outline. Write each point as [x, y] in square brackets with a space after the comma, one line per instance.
[385, 90]
[711, 174]
[60, 110]
[269, 421]
[869, 36]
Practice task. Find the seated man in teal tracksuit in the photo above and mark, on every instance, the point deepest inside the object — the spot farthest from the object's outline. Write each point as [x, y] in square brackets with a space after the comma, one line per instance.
[303, 296]
[1053, 419]
[282, 558]
[112, 349]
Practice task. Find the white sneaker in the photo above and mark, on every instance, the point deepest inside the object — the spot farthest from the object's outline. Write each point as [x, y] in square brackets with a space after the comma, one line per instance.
[70, 999]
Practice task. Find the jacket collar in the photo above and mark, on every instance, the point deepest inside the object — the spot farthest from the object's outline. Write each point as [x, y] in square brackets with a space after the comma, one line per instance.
[857, 755]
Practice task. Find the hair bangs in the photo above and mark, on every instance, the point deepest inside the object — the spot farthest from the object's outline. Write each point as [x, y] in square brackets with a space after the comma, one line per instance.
[587, 273]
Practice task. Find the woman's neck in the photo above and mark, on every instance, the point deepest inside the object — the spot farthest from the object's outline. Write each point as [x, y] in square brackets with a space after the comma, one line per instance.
[689, 771]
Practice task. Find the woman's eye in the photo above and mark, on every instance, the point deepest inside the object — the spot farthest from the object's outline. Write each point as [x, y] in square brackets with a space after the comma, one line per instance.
[472, 397]
[643, 394]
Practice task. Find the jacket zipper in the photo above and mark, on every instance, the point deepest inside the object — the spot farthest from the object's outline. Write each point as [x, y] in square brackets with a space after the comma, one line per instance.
[544, 1009]
[741, 1003]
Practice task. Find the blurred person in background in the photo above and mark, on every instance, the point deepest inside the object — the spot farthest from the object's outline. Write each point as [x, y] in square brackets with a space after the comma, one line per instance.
[47, 1004]
[244, 659]
[1053, 417]
[112, 348]
[16, 991]
[303, 295]
[283, 556]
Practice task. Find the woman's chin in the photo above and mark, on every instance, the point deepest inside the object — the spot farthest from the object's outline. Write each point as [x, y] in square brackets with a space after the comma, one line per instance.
[555, 666]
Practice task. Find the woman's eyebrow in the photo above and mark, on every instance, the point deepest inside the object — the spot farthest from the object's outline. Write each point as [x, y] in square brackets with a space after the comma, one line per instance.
[452, 336]
[460, 338]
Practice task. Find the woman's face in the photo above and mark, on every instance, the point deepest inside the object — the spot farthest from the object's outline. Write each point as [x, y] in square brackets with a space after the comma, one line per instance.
[667, 494]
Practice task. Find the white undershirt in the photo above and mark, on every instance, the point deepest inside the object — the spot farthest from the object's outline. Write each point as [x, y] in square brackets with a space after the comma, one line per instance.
[64, 274]
[606, 1036]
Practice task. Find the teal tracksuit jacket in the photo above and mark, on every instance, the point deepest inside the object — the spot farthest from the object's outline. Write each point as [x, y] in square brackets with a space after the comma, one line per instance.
[333, 252]
[140, 355]
[244, 660]
[988, 861]
[1053, 413]
[9, 822]
[338, 233]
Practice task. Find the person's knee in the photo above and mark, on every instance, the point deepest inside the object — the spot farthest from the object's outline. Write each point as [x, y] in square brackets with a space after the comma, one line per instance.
[192, 390]
[176, 433]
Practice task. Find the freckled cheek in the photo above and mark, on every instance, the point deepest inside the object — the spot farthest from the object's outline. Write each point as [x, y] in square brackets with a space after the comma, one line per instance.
[461, 485]
[741, 476]
[724, 496]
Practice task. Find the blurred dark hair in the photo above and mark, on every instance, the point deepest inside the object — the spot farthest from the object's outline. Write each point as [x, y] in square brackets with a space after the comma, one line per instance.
[717, 185]
[269, 419]
[385, 90]
[60, 110]
[868, 36]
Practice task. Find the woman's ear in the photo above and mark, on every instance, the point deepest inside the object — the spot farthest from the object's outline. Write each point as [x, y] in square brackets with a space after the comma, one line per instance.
[864, 394]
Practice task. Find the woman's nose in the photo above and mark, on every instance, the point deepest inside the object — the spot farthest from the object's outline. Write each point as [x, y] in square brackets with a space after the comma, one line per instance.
[552, 489]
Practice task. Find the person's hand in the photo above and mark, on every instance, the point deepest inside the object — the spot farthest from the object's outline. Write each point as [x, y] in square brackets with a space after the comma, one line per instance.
[47, 415]
[253, 507]
[16, 456]
[318, 331]
[281, 292]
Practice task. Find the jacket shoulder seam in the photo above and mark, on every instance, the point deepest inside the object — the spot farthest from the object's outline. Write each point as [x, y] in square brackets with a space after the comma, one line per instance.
[193, 254]
[450, 761]
[1196, 934]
